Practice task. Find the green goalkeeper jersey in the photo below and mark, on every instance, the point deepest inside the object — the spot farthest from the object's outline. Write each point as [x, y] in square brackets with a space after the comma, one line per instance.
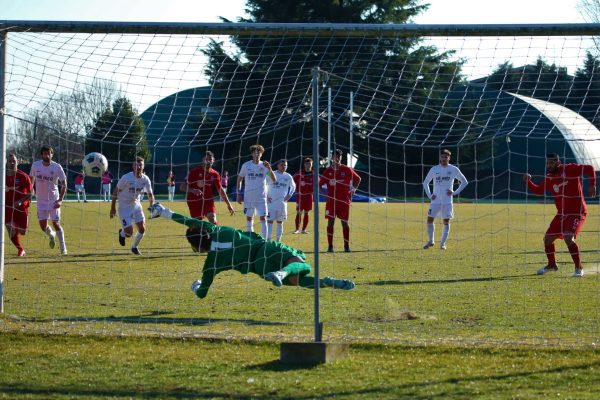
[242, 251]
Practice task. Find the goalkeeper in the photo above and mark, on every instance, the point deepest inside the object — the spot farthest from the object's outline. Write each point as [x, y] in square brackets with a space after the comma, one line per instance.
[230, 248]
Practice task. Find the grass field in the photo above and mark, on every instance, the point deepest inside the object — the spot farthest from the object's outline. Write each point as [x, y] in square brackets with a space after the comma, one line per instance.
[414, 315]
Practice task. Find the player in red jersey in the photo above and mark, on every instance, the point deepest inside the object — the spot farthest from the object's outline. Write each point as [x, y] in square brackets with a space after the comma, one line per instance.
[304, 194]
[342, 183]
[17, 201]
[198, 187]
[564, 181]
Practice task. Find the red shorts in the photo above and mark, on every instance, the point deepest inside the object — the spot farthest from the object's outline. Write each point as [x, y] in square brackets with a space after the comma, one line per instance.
[16, 217]
[200, 209]
[304, 203]
[337, 209]
[562, 224]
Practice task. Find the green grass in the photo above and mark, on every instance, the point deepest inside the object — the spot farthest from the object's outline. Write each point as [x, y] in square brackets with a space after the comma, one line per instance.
[413, 317]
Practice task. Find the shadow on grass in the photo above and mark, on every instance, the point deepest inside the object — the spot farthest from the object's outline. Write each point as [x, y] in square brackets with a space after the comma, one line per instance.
[278, 366]
[404, 390]
[458, 280]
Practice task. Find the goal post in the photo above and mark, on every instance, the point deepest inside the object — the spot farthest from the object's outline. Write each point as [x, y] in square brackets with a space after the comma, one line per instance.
[390, 97]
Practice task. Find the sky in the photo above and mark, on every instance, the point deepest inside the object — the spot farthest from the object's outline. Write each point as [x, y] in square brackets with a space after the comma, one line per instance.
[440, 11]
[482, 55]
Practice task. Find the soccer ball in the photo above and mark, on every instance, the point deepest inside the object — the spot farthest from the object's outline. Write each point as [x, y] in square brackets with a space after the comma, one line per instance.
[94, 164]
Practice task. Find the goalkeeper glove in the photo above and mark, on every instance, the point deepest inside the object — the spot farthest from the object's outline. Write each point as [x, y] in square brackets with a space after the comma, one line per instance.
[157, 210]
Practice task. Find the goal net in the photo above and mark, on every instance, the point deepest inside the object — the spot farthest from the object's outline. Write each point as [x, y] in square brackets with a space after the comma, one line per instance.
[390, 98]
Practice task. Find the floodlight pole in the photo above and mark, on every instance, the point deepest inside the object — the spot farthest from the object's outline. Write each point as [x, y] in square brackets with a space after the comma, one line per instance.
[3, 42]
[328, 127]
[315, 121]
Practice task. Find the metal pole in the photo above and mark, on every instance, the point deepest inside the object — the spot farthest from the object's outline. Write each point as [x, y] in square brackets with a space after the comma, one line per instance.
[328, 127]
[315, 120]
[3, 42]
[351, 112]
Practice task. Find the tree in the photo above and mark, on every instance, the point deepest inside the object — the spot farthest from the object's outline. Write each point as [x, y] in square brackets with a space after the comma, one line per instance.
[585, 96]
[119, 133]
[590, 10]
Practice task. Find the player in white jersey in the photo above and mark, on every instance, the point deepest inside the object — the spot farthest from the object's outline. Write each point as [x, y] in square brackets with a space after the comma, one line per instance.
[129, 192]
[254, 174]
[278, 194]
[50, 185]
[443, 176]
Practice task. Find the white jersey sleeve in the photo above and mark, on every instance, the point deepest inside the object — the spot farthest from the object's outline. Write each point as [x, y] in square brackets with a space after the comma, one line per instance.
[427, 182]
[279, 190]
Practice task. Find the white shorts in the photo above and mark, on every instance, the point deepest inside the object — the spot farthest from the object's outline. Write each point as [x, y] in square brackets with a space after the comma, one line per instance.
[444, 210]
[79, 188]
[46, 210]
[277, 212]
[106, 187]
[131, 214]
[255, 207]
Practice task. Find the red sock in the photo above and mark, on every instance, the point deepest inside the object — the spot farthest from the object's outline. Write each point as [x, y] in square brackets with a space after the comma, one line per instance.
[574, 250]
[305, 222]
[550, 253]
[16, 239]
[346, 230]
[330, 235]
[297, 221]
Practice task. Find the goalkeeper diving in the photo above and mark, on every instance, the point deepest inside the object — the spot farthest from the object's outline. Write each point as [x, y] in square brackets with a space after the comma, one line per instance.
[229, 248]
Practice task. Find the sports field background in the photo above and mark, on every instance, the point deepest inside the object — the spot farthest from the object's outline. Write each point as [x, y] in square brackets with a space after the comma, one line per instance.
[482, 290]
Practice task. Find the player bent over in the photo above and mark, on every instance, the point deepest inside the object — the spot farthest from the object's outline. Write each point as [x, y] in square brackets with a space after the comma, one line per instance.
[17, 200]
[564, 181]
[229, 248]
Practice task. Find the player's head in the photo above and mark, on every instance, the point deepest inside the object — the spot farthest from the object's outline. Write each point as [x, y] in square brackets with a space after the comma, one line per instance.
[257, 151]
[138, 166]
[445, 157]
[337, 156]
[46, 152]
[552, 162]
[198, 238]
[282, 165]
[308, 164]
[11, 162]
[209, 159]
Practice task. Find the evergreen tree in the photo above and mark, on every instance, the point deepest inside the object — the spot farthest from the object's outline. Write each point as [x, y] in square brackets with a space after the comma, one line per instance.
[119, 133]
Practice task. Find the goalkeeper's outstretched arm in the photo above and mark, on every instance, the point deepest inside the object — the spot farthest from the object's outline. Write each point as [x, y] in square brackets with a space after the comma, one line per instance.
[158, 210]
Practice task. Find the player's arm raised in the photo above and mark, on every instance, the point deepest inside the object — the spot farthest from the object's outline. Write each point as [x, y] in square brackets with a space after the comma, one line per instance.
[535, 189]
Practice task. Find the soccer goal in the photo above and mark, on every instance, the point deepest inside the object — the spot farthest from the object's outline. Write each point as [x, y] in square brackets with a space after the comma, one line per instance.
[386, 105]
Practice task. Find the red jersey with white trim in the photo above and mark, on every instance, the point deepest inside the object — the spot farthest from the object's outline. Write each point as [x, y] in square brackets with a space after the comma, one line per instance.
[565, 186]
[18, 187]
[198, 178]
[339, 182]
[304, 184]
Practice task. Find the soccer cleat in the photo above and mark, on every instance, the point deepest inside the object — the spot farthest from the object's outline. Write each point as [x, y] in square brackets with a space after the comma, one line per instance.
[196, 285]
[52, 240]
[343, 284]
[21, 253]
[443, 247]
[296, 232]
[546, 269]
[64, 251]
[276, 277]
[304, 232]
[135, 251]
[330, 249]
[347, 249]
[578, 273]
[121, 238]
[428, 245]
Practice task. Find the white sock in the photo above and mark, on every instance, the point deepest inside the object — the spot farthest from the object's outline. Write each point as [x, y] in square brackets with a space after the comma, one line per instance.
[279, 231]
[269, 230]
[137, 239]
[61, 237]
[430, 231]
[249, 226]
[49, 231]
[445, 232]
[263, 228]
[84, 198]
[77, 196]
